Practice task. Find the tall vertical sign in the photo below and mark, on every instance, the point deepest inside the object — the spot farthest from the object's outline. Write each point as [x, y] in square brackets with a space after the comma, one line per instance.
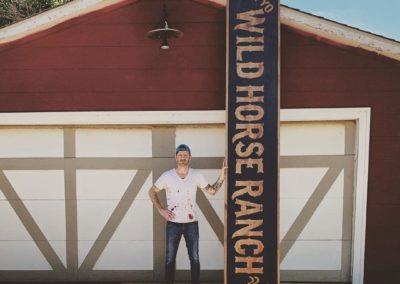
[251, 229]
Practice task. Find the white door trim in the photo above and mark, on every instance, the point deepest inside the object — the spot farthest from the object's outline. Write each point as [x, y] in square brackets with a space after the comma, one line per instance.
[361, 116]
[113, 118]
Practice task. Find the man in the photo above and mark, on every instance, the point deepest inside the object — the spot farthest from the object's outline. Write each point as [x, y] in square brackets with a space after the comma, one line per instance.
[181, 185]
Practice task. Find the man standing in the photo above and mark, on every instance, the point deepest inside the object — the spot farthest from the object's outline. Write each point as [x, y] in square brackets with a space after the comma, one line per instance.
[181, 185]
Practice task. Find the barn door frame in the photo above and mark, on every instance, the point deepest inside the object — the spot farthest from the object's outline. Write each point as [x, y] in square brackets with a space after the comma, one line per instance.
[361, 117]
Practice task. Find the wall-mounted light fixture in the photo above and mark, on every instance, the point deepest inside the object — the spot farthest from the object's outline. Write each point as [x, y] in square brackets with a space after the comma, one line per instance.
[164, 32]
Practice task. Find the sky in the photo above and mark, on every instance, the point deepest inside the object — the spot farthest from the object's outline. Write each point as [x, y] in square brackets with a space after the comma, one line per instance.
[380, 17]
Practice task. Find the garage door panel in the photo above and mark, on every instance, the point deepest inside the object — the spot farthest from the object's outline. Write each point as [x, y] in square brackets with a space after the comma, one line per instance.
[22, 255]
[211, 256]
[37, 184]
[60, 249]
[92, 217]
[113, 142]
[126, 255]
[315, 272]
[302, 182]
[319, 276]
[109, 184]
[136, 224]
[49, 215]
[30, 143]
[316, 138]
[207, 232]
[11, 227]
[325, 223]
[313, 255]
[316, 185]
[84, 247]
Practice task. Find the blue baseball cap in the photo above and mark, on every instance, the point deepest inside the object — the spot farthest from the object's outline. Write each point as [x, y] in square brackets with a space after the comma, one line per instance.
[182, 147]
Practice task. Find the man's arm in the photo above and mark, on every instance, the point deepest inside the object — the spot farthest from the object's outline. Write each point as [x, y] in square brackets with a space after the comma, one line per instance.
[168, 215]
[213, 189]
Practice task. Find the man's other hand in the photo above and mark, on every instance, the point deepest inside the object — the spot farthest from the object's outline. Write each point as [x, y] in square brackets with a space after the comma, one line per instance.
[167, 214]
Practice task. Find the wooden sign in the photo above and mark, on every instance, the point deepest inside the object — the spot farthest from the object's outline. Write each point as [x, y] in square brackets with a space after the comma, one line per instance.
[251, 229]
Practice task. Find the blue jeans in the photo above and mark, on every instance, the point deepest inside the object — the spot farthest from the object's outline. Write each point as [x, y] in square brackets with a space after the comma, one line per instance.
[190, 231]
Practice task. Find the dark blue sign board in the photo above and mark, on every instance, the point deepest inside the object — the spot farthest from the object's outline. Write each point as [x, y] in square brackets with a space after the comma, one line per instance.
[251, 229]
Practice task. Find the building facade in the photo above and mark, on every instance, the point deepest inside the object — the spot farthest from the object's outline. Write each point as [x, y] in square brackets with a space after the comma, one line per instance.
[91, 111]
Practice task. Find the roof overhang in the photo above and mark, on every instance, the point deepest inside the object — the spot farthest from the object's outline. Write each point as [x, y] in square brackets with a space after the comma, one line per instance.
[339, 33]
[303, 22]
[53, 17]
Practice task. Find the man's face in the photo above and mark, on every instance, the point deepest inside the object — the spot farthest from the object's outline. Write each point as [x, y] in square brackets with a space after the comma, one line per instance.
[183, 158]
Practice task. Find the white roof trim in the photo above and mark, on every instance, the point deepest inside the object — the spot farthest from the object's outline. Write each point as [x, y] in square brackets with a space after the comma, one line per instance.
[340, 33]
[51, 18]
[302, 21]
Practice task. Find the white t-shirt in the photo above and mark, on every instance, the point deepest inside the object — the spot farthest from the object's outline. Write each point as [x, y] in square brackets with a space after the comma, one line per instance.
[181, 193]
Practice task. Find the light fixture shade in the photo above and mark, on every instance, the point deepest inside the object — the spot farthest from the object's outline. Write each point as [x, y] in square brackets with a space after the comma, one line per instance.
[164, 32]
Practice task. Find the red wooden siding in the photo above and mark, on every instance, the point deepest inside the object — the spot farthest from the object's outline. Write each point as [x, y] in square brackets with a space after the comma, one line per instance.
[103, 61]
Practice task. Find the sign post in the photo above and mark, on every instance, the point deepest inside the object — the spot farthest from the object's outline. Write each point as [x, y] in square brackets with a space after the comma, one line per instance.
[252, 196]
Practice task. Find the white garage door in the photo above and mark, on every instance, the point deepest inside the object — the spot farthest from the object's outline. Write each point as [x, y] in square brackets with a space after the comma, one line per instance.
[316, 179]
[74, 203]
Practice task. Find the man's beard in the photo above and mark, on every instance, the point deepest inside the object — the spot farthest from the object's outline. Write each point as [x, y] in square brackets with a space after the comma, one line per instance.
[184, 162]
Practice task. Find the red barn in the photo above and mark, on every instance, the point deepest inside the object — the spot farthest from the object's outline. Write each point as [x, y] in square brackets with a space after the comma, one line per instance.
[91, 111]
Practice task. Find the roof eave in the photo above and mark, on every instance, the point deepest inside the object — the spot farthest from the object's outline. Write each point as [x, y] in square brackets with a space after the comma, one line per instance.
[53, 17]
[339, 33]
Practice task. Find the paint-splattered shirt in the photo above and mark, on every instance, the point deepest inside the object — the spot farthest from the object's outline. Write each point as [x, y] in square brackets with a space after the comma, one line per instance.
[181, 193]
